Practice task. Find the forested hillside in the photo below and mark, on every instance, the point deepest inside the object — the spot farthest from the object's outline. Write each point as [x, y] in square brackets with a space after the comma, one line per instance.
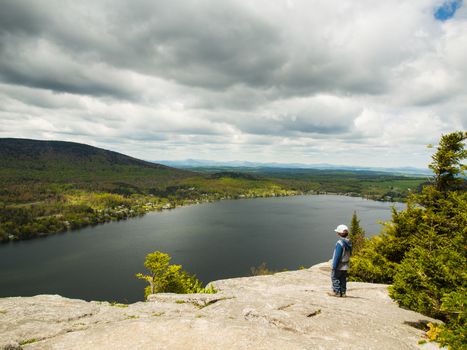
[54, 186]
[33, 161]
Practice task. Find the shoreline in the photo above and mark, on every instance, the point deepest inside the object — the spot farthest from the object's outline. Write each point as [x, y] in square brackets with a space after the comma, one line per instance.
[132, 214]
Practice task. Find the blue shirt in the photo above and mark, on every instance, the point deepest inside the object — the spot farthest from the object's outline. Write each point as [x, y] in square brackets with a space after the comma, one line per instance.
[343, 249]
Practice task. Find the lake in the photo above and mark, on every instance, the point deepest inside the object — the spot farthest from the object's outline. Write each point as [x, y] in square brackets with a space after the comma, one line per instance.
[213, 240]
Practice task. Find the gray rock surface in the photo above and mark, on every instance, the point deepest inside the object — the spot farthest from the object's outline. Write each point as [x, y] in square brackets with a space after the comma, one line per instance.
[288, 310]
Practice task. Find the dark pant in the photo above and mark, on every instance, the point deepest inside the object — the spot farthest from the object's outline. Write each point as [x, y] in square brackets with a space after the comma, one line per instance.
[339, 281]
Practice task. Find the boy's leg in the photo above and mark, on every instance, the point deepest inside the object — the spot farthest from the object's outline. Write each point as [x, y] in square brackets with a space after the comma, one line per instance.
[336, 282]
[343, 281]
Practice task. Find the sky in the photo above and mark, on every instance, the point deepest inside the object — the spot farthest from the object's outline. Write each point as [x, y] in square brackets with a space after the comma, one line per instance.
[349, 82]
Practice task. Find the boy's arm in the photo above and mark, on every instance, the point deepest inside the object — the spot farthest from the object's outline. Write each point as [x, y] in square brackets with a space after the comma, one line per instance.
[337, 256]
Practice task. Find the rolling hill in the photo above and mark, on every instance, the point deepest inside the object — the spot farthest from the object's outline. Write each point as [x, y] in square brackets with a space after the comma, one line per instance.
[24, 160]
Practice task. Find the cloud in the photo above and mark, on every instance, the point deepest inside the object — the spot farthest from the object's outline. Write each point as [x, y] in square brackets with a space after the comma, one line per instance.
[320, 114]
[283, 80]
[195, 43]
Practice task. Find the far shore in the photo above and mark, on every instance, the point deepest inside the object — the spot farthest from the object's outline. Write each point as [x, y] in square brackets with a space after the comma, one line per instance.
[131, 213]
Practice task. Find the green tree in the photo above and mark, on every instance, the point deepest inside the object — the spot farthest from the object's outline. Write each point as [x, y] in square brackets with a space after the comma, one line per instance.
[166, 278]
[447, 161]
[357, 235]
[157, 263]
[423, 252]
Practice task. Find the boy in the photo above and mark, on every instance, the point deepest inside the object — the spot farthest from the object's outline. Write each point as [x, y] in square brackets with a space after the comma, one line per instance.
[340, 261]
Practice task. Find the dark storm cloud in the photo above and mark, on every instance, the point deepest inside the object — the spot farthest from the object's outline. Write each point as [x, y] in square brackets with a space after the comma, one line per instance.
[76, 84]
[210, 45]
[20, 17]
[40, 98]
[291, 128]
[317, 115]
[32, 53]
[196, 43]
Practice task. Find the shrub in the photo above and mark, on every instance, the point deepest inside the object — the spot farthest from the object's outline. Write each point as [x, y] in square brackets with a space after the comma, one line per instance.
[167, 278]
[370, 263]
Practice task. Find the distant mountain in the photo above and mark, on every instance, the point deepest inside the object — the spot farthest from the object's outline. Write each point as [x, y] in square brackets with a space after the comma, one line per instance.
[198, 163]
[23, 160]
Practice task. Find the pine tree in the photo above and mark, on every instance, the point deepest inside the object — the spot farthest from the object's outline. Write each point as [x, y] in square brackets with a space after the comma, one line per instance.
[447, 161]
[357, 235]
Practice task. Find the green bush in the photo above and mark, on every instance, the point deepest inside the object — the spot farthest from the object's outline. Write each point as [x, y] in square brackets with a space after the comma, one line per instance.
[454, 333]
[167, 278]
[425, 276]
[370, 264]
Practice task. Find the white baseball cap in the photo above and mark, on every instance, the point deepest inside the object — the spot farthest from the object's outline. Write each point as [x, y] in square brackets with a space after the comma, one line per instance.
[341, 229]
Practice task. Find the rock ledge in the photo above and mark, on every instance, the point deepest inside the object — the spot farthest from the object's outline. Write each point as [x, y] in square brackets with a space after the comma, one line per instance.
[288, 310]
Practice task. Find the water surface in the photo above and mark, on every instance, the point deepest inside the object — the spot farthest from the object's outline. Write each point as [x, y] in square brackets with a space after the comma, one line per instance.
[213, 240]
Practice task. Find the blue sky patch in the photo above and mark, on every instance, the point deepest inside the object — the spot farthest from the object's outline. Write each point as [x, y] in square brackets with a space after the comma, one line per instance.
[447, 10]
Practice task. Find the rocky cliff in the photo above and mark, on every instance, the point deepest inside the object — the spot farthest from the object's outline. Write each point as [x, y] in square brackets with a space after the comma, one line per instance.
[288, 310]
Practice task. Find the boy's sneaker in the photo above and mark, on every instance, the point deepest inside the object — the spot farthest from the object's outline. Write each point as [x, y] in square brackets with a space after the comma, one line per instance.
[333, 294]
